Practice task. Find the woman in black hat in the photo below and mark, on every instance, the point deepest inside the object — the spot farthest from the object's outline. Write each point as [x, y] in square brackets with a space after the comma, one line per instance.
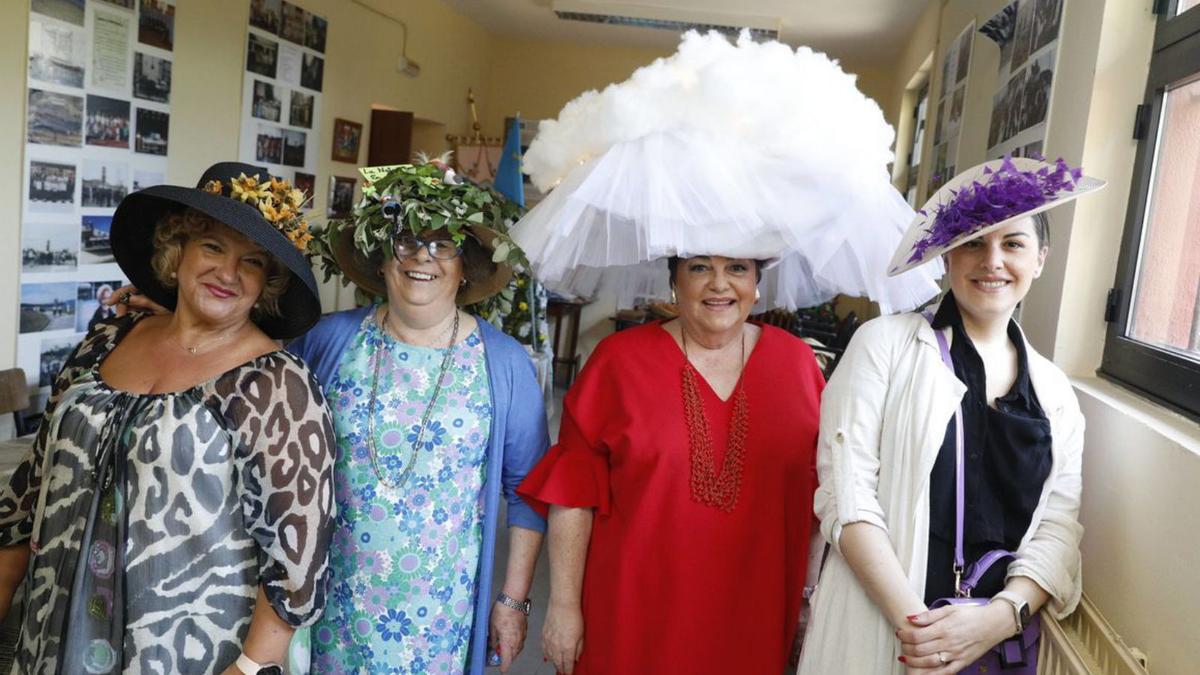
[175, 511]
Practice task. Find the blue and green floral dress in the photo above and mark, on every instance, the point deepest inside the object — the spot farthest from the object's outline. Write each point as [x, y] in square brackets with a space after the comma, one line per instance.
[404, 560]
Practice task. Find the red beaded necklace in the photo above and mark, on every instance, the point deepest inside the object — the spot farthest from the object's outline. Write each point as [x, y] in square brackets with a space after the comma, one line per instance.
[718, 491]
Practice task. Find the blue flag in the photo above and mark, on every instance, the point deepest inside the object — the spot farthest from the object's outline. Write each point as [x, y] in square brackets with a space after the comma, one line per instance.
[509, 181]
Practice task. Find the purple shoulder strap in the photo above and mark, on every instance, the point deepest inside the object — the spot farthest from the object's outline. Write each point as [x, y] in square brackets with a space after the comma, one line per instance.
[962, 587]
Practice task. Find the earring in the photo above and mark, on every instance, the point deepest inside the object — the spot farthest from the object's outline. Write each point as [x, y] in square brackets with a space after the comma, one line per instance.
[757, 295]
[463, 283]
[674, 300]
[174, 276]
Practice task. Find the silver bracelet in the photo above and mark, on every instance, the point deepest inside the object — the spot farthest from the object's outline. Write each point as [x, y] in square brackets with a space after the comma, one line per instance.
[522, 607]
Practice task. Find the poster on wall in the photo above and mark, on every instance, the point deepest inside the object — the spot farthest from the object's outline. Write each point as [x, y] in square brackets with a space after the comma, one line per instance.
[281, 90]
[952, 96]
[1027, 34]
[96, 128]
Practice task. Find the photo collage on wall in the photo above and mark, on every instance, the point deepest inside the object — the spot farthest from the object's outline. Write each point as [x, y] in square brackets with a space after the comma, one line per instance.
[1027, 33]
[281, 91]
[952, 96]
[97, 128]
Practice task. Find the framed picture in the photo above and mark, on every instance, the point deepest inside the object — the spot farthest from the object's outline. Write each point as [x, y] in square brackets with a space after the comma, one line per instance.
[346, 137]
[341, 197]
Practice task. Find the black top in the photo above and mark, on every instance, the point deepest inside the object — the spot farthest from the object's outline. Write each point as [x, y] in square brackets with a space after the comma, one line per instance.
[1006, 451]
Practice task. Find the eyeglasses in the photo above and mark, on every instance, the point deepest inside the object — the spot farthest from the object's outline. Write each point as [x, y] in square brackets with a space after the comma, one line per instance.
[407, 246]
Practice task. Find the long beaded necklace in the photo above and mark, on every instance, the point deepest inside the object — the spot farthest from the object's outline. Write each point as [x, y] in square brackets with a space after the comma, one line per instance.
[718, 491]
[437, 390]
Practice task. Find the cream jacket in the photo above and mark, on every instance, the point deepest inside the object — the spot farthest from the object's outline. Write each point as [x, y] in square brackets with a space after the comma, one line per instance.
[883, 418]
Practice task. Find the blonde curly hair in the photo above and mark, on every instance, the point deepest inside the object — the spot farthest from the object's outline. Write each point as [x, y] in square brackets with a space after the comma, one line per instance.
[174, 231]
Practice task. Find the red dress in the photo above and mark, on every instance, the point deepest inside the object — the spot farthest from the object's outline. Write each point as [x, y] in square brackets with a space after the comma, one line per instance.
[671, 585]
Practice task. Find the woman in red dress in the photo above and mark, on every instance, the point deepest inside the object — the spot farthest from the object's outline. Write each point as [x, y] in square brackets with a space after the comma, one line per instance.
[680, 491]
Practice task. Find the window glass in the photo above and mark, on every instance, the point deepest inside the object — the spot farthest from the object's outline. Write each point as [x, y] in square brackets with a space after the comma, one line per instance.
[1166, 307]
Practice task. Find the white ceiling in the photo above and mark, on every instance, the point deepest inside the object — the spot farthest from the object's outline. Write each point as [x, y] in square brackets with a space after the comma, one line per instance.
[856, 31]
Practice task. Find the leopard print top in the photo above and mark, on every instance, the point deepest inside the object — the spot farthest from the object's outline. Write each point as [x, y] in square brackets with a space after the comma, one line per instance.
[219, 489]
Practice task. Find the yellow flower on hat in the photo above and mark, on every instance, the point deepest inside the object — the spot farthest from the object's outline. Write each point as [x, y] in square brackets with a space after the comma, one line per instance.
[213, 187]
[247, 189]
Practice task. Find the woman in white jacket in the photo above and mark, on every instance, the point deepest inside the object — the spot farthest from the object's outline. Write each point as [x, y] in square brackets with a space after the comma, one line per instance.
[887, 442]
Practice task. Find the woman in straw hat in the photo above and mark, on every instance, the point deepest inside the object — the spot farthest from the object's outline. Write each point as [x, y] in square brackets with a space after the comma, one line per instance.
[438, 415]
[949, 456]
[176, 509]
[732, 176]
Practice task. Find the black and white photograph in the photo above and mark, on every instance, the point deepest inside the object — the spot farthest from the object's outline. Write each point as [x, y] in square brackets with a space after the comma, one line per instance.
[341, 197]
[301, 113]
[70, 11]
[294, 23]
[264, 14]
[1023, 33]
[266, 105]
[964, 55]
[1014, 100]
[312, 72]
[956, 109]
[49, 247]
[1036, 100]
[57, 53]
[89, 303]
[51, 187]
[306, 183]
[53, 356]
[156, 23]
[1047, 16]
[261, 55]
[293, 147]
[314, 35]
[54, 118]
[125, 4]
[153, 128]
[104, 183]
[47, 307]
[144, 179]
[107, 122]
[947, 73]
[268, 145]
[95, 246]
[151, 78]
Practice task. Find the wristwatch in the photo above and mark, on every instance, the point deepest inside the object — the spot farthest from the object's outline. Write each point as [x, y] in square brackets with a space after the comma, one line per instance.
[522, 607]
[1020, 608]
[249, 666]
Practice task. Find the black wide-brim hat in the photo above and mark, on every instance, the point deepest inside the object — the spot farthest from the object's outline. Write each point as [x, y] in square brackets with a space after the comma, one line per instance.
[140, 213]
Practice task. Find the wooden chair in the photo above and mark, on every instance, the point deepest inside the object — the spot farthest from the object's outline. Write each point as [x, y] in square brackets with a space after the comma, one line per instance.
[14, 397]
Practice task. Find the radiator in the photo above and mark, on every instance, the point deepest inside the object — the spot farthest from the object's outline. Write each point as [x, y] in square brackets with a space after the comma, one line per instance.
[1085, 644]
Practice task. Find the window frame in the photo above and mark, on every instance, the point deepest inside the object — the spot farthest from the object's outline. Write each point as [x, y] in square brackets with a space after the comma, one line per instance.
[1166, 377]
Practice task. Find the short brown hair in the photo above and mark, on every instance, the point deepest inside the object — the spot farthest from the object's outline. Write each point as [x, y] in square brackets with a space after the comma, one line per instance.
[174, 231]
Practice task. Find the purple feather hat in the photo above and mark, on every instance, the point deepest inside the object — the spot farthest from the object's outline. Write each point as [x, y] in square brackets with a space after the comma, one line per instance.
[986, 198]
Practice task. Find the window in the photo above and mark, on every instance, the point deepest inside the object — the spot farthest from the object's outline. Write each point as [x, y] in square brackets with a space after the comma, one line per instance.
[1153, 339]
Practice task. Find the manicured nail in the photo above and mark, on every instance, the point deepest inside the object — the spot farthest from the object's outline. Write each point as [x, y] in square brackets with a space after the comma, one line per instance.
[902, 659]
[912, 618]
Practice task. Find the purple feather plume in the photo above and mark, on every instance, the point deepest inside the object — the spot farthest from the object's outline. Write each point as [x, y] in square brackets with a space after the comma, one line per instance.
[1006, 192]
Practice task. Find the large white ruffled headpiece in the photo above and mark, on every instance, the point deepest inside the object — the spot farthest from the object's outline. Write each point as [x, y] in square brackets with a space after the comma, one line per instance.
[748, 150]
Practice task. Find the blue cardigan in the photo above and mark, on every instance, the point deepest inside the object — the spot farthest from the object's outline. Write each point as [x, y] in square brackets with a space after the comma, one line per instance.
[517, 440]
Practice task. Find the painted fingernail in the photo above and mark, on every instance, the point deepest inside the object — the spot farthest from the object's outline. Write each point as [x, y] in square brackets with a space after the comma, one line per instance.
[912, 617]
[902, 659]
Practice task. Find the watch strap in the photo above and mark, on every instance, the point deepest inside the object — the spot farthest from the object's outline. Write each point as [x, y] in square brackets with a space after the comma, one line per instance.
[522, 607]
[1020, 607]
[249, 666]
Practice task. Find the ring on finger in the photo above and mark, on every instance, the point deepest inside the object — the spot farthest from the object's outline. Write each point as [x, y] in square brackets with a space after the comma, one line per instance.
[124, 298]
[942, 657]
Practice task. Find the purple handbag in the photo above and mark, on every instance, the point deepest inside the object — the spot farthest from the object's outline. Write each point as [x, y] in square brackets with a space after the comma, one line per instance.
[1017, 655]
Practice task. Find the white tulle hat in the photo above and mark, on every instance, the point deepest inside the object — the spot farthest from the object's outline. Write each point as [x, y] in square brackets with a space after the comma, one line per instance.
[746, 150]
